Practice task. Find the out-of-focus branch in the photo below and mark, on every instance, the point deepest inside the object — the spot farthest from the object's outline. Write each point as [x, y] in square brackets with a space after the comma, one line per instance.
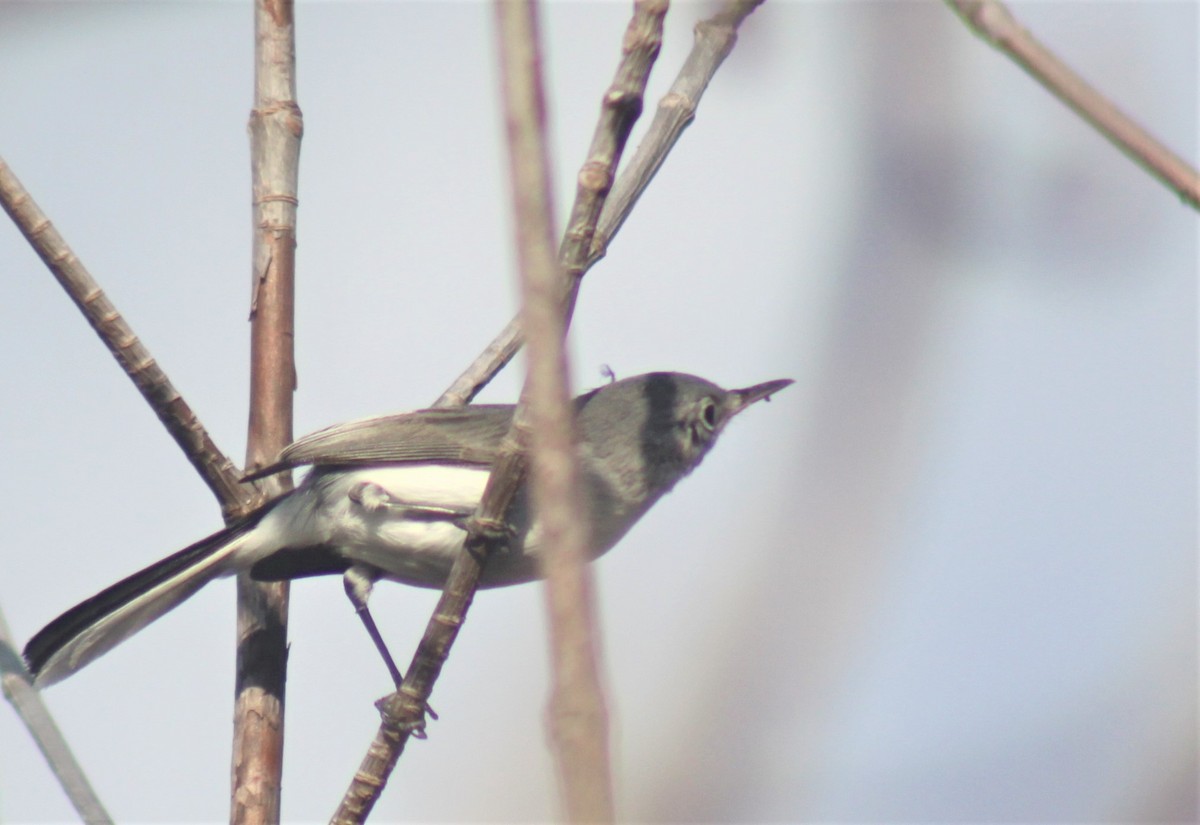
[213, 466]
[585, 752]
[991, 20]
[578, 718]
[27, 701]
[275, 131]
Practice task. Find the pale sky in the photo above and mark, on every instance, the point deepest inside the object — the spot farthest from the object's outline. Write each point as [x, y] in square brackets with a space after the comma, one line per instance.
[948, 576]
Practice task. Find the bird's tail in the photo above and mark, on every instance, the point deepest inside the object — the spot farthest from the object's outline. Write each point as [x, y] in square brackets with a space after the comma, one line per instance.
[94, 627]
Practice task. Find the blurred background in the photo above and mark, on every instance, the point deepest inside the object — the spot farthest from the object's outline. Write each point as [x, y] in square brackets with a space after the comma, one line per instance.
[949, 576]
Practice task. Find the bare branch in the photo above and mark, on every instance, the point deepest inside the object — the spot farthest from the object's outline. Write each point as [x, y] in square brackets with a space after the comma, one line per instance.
[715, 39]
[578, 718]
[404, 711]
[620, 108]
[262, 615]
[27, 702]
[176, 415]
[485, 367]
[275, 131]
[991, 20]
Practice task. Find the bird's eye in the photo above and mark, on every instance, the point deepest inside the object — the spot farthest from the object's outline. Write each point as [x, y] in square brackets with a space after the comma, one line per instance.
[708, 414]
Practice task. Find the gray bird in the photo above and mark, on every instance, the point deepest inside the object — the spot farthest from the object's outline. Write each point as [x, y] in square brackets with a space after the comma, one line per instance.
[389, 498]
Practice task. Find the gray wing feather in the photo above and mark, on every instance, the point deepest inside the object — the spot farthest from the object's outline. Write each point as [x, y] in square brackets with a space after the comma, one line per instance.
[468, 435]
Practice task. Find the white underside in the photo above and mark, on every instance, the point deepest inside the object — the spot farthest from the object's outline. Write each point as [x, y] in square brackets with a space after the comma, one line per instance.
[400, 519]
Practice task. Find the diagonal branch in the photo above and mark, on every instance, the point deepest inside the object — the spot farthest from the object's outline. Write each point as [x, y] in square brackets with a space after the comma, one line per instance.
[715, 38]
[27, 702]
[621, 108]
[991, 20]
[213, 466]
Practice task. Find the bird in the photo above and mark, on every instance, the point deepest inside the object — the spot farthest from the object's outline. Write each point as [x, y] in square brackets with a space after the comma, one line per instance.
[389, 497]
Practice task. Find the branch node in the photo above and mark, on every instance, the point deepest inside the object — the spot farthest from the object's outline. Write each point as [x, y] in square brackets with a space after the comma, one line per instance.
[448, 619]
[596, 177]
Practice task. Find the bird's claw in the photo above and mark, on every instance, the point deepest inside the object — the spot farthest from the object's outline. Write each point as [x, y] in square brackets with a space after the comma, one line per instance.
[405, 713]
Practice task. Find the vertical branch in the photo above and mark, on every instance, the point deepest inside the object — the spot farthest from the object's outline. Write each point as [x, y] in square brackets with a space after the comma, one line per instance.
[578, 718]
[275, 131]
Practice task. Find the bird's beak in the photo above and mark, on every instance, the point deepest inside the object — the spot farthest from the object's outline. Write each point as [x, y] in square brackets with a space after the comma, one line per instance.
[759, 392]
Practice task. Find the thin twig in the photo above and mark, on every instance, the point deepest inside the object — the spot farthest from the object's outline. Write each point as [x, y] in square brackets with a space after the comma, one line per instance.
[621, 108]
[176, 415]
[715, 38]
[275, 131]
[404, 711]
[991, 20]
[27, 702]
[485, 367]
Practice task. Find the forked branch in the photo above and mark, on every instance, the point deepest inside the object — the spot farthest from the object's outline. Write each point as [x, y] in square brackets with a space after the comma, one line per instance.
[715, 39]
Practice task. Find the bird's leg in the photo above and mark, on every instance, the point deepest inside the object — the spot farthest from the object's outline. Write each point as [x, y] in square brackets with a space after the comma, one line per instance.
[358, 581]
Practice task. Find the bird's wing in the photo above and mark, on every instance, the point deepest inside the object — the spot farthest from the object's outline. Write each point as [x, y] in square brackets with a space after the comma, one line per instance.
[467, 435]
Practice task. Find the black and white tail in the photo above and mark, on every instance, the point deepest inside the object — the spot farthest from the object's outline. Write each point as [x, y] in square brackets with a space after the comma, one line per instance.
[96, 626]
